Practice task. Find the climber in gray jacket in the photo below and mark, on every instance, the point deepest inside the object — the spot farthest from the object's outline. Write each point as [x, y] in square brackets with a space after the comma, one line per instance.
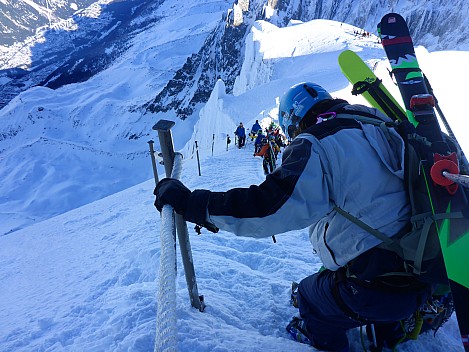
[333, 162]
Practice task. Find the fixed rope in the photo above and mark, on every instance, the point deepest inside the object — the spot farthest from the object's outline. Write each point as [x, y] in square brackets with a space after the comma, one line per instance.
[166, 331]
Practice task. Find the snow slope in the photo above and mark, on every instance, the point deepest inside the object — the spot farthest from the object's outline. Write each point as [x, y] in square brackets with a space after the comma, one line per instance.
[86, 280]
[63, 148]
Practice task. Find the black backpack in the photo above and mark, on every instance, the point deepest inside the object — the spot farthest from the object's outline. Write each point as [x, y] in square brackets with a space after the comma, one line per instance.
[418, 244]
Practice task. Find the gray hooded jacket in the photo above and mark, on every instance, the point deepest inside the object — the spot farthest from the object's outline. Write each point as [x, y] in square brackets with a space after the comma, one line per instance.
[340, 162]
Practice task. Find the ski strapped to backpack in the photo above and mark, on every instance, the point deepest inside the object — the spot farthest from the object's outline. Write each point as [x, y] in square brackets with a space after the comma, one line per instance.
[366, 83]
[389, 107]
[411, 72]
[371, 87]
[441, 164]
[444, 198]
[418, 244]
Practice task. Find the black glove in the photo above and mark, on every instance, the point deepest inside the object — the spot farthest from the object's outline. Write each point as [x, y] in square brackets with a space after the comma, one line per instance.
[173, 192]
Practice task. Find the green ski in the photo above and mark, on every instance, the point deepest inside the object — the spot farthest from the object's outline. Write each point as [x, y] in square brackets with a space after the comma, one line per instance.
[449, 202]
[366, 83]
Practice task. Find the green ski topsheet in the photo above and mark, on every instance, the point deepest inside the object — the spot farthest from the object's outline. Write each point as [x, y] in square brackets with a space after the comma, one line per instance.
[453, 233]
[356, 70]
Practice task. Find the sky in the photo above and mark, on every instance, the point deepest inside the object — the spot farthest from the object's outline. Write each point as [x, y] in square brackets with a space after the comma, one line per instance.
[87, 280]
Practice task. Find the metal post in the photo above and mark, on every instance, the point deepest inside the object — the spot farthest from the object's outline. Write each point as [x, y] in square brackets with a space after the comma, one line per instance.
[213, 142]
[163, 128]
[197, 153]
[153, 162]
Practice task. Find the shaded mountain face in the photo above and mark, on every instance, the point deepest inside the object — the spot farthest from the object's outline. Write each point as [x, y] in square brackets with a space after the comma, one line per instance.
[20, 18]
[219, 58]
[79, 48]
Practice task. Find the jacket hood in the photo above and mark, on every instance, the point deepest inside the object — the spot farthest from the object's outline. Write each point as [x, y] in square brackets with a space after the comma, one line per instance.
[387, 143]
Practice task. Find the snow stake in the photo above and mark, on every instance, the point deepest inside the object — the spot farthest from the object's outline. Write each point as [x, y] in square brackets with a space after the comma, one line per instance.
[153, 161]
[213, 142]
[163, 128]
[197, 154]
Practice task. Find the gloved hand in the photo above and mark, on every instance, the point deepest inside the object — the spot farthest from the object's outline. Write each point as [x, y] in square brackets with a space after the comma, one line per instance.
[173, 192]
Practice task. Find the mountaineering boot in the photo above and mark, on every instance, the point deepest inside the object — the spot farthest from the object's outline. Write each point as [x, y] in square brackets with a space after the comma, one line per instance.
[297, 329]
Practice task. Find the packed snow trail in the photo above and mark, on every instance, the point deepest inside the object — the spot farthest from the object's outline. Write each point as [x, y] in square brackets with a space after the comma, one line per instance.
[257, 272]
[87, 280]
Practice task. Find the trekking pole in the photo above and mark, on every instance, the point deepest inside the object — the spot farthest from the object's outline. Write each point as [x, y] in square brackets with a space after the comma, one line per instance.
[272, 165]
[227, 141]
[440, 112]
[272, 155]
[164, 134]
[445, 122]
[197, 154]
[463, 180]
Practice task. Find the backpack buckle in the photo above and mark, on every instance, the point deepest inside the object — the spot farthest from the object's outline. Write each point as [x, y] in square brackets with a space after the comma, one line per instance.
[326, 116]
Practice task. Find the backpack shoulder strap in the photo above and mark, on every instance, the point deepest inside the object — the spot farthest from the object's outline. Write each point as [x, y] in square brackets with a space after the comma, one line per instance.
[365, 117]
[350, 119]
[393, 245]
[368, 118]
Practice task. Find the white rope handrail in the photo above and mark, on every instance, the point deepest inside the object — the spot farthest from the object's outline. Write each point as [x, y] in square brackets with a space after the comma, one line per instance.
[166, 331]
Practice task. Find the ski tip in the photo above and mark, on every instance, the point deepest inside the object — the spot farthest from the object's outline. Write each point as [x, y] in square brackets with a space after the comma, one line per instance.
[391, 19]
[344, 54]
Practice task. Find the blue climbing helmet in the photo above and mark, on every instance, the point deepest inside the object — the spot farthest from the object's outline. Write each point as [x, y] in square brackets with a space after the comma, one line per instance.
[296, 102]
